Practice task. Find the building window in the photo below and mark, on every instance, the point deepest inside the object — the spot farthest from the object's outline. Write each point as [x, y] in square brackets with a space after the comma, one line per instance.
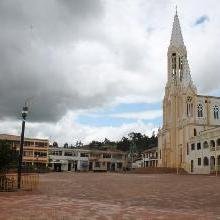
[68, 153]
[192, 146]
[187, 149]
[212, 162]
[218, 142]
[194, 132]
[107, 155]
[181, 68]
[119, 165]
[205, 145]
[216, 112]
[83, 155]
[199, 146]
[200, 110]
[189, 107]
[212, 144]
[174, 67]
[199, 162]
[205, 161]
[97, 164]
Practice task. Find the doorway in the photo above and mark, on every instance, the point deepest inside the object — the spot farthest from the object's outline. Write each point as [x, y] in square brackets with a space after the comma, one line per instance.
[113, 167]
[108, 166]
[57, 167]
[69, 166]
[192, 166]
[90, 165]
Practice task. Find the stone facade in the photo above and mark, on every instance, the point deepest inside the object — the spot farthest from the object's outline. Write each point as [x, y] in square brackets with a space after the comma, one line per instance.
[185, 113]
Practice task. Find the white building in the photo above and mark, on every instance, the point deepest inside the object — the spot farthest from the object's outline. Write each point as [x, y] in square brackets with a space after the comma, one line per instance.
[150, 157]
[79, 159]
[203, 152]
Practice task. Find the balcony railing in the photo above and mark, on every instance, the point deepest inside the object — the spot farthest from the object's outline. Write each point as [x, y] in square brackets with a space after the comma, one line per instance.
[215, 168]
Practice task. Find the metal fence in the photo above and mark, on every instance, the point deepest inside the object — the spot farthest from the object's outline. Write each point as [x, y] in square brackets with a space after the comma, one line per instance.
[215, 169]
[29, 181]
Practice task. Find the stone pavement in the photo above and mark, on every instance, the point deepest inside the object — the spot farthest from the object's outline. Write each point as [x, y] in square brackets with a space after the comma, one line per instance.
[65, 196]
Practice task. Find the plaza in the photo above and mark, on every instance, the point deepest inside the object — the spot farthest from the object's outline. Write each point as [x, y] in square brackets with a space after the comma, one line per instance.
[70, 195]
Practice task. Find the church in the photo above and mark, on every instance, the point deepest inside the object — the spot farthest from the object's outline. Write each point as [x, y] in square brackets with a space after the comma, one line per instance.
[190, 135]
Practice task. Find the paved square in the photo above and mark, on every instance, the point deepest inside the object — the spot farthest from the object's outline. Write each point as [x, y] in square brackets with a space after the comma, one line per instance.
[115, 196]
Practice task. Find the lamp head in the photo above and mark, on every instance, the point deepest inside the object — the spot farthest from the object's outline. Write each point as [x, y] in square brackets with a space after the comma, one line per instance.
[24, 112]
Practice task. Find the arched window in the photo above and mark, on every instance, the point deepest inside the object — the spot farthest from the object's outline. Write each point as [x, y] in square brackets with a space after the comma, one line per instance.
[212, 162]
[174, 67]
[205, 161]
[216, 112]
[189, 107]
[181, 68]
[200, 110]
[218, 160]
[218, 142]
[212, 144]
[194, 132]
[205, 144]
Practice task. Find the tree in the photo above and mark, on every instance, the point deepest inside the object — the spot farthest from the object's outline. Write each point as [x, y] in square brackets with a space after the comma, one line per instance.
[95, 144]
[8, 156]
[65, 145]
[79, 144]
[140, 141]
[124, 144]
[55, 144]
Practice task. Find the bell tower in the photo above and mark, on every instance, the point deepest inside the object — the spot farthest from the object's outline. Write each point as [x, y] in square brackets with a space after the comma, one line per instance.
[177, 63]
[178, 87]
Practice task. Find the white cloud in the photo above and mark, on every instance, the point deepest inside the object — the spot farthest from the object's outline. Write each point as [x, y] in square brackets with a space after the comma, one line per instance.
[118, 55]
[69, 130]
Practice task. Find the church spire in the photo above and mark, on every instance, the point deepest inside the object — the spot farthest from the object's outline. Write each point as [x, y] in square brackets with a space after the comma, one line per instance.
[178, 67]
[176, 37]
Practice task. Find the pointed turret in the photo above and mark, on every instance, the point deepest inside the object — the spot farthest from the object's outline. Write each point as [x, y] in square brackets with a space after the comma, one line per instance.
[176, 37]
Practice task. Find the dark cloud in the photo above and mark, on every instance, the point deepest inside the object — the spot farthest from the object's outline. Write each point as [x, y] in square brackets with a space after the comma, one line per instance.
[32, 36]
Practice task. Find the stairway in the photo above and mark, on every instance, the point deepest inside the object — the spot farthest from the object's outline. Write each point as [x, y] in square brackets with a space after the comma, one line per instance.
[157, 170]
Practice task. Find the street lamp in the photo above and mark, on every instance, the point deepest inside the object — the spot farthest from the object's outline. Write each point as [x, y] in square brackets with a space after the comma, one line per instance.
[37, 163]
[24, 115]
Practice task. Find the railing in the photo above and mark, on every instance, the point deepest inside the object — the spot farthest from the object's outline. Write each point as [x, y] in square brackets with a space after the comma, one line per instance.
[215, 168]
[6, 184]
[215, 148]
[29, 181]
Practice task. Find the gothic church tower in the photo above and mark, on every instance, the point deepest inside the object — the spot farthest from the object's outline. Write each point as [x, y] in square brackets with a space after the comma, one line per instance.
[179, 86]
[188, 118]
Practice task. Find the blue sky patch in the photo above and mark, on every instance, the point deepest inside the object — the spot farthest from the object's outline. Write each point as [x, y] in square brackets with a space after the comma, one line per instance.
[201, 19]
[109, 116]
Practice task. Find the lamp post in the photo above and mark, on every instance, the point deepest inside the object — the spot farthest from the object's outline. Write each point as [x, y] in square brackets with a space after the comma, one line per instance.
[37, 163]
[24, 115]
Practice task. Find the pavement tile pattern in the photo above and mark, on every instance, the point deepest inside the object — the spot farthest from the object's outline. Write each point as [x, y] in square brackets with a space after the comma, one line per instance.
[107, 196]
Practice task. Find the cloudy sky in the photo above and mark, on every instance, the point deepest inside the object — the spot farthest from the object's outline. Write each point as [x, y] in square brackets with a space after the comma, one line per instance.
[97, 68]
